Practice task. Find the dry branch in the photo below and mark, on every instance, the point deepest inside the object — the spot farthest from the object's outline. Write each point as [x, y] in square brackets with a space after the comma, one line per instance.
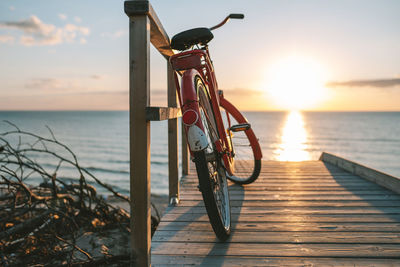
[56, 221]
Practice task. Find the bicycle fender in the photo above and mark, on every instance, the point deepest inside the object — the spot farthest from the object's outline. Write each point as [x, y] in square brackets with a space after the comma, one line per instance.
[241, 119]
[189, 94]
[196, 137]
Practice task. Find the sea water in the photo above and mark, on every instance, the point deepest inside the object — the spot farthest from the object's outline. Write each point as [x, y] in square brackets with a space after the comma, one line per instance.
[100, 139]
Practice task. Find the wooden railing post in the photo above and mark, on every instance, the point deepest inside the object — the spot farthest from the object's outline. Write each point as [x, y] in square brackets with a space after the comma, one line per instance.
[185, 153]
[145, 27]
[173, 155]
[139, 137]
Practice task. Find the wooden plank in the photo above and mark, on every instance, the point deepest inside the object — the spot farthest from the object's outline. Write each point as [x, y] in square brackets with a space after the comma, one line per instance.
[286, 227]
[300, 203]
[327, 218]
[139, 138]
[299, 176]
[173, 155]
[278, 193]
[285, 197]
[294, 177]
[292, 250]
[304, 179]
[294, 210]
[228, 261]
[380, 178]
[302, 189]
[158, 36]
[162, 113]
[296, 188]
[281, 237]
[300, 184]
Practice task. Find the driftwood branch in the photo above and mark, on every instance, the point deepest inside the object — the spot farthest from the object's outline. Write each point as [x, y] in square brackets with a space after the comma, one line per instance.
[52, 222]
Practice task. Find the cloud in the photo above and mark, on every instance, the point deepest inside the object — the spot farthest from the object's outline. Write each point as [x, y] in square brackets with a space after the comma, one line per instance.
[379, 83]
[77, 19]
[104, 92]
[54, 85]
[62, 16]
[37, 32]
[11, 8]
[74, 28]
[71, 31]
[106, 101]
[45, 84]
[50, 85]
[6, 39]
[32, 25]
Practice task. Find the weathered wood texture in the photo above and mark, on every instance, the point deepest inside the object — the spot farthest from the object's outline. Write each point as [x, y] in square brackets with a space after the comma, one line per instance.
[173, 154]
[185, 152]
[383, 179]
[296, 213]
[139, 138]
[162, 113]
[146, 28]
[158, 36]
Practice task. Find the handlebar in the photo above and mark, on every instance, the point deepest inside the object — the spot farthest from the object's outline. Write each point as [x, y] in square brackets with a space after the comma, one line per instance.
[230, 16]
[236, 16]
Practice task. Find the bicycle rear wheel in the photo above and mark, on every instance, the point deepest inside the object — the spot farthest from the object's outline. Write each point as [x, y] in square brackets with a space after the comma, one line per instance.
[246, 167]
[210, 170]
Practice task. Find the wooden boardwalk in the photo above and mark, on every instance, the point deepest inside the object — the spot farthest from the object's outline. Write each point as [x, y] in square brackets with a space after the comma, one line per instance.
[296, 213]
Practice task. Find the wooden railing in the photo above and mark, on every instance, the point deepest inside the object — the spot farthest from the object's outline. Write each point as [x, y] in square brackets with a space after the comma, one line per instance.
[385, 180]
[146, 28]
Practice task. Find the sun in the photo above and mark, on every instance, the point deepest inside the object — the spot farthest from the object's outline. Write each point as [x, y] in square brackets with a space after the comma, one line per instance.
[296, 83]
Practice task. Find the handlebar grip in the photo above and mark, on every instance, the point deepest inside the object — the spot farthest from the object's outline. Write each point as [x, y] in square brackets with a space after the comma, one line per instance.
[236, 16]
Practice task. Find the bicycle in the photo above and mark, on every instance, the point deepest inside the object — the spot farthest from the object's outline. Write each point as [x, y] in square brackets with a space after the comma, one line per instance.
[216, 144]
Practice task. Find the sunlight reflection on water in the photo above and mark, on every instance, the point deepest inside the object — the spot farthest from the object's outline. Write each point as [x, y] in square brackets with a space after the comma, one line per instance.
[293, 146]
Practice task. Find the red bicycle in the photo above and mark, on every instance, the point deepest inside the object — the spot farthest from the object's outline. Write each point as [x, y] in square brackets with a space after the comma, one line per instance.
[220, 146]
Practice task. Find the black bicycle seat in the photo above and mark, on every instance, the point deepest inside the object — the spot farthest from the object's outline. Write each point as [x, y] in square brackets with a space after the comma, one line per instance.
[187, 39]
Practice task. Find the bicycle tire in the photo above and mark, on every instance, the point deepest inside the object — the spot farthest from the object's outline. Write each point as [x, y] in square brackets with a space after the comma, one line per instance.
[210, 170]
[246, 167]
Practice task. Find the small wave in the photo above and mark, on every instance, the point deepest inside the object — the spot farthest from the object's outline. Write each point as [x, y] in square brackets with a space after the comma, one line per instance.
[159, 162]
[105, 170]
[119, 161]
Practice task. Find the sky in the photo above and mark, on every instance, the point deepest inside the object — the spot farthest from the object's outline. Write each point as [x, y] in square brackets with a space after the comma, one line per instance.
[309, 55]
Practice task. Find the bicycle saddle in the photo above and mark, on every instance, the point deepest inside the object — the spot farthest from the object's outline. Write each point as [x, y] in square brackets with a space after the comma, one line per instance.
[187, 39]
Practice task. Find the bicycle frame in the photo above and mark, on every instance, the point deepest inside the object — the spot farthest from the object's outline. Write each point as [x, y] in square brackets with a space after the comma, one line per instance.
[197, 63]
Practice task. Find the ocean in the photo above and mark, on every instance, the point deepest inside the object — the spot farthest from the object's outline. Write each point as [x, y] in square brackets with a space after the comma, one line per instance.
[100, 139]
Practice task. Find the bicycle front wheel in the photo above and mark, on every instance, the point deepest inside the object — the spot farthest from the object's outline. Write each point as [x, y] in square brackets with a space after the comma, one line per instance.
[210, 170]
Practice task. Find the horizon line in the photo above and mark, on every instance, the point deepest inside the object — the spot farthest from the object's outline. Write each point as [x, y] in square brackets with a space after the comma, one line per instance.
[126, 110]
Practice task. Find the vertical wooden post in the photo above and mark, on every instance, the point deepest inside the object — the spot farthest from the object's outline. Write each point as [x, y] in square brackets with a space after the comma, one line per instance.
[139, 137]
[185, 152]
[173, 155]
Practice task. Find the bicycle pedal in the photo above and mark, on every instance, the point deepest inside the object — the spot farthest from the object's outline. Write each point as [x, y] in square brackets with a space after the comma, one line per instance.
[198, 187]
[240, 127]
